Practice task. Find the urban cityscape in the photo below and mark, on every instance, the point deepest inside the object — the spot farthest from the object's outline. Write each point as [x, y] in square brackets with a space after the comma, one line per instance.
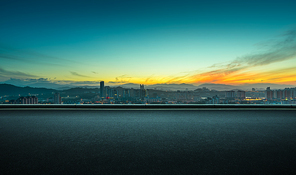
[119, 95]
[148, 87]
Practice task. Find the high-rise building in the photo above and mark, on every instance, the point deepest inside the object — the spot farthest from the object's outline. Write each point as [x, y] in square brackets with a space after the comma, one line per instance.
[241, 94]
[268, 94]
[57, 98]
[22, 100]
[229, 94]
[32, 100]
[215, 100]
[279, 94]
[108, 91]
[102, 90]
[142, 91]
[288, 93]
[126, 93]
[294, 93]
[27, 100]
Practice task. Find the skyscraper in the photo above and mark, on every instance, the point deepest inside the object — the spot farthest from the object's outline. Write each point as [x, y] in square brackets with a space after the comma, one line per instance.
[241, 94]
[102, 89]
[142, 92]
[229, 94]
[268, 94]
[57, 98]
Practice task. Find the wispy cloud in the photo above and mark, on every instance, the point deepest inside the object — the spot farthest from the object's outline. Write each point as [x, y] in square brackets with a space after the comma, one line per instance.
[49, 83]
[31, 57]
[149, 79]
[7, 73]
[178, 79]
[121, 79]
[280, 50]
[79, 75]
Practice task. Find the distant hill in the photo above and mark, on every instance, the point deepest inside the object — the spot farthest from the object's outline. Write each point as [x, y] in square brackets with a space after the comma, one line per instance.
[129, 85]
[80, 90]
[7, 89]
[173, 87]
[257, 86]
[263, 86]
[219, 87]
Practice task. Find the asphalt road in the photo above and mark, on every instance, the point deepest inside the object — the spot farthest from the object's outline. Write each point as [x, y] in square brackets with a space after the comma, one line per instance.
[148, 142]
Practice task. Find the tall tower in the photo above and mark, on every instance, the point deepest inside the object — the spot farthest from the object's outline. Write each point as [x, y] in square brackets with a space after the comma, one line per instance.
[229, 94]
[268, 94]
[102, 89]
[57, 98]
[142, 92]
[241, 94]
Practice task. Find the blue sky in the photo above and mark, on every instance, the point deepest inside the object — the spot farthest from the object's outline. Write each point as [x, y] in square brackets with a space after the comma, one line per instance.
[132, 41]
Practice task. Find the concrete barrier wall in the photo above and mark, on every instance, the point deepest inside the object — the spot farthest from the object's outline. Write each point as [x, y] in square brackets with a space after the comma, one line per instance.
[145, 106]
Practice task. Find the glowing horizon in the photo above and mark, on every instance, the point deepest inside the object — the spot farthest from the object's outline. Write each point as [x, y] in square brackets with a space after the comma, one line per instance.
[192, 42]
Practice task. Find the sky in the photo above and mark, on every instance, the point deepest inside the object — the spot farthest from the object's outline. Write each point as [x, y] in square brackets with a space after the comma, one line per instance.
[147, 42]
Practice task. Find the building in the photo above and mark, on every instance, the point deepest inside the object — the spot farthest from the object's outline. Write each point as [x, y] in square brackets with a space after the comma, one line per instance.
[142, 92]
[279, 94]
[229, 94]
[294, 92]
[22, 100]
[109, 91]
[241, 94]
[288, 93]
[32, 100]
[102, 89]
[268, 94]
[215, 100]
[57, 98]
[27, 100]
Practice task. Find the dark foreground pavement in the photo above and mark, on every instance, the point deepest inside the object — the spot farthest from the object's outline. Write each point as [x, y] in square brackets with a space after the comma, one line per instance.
[148, 142]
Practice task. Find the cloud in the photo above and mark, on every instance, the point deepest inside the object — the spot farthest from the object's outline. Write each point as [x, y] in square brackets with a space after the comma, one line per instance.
[27, 56]
[6, 73]
[282, 49]
[85, 83]
[149, 79]
[118, 82]
[49, 83]
[33, 82]
[178, 79]
[121, 79]
[79, 75]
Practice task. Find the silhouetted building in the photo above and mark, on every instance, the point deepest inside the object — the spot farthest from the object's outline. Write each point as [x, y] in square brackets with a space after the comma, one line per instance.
[294, 93]
[215, 100]
[142, 92]
[109, 91]
[102, 90]
[241, 94]
[32, 100]
[288, 93]
[229, 94]
[57, 98]
[268, 94]
[27, 100]
[22, 100]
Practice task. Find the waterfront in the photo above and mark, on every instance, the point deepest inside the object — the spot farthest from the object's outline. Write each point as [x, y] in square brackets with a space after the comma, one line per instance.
[148, 142]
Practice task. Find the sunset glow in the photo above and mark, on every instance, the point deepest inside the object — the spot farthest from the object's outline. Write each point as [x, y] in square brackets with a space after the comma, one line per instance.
[164, 42]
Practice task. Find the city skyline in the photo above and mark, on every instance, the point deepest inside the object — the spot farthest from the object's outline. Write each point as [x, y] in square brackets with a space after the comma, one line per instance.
[148, 42]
